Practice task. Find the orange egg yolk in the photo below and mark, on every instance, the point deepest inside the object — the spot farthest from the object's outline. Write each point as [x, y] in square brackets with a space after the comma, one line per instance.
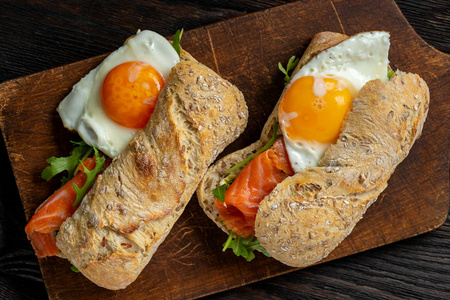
[313, 108]
[130, 92]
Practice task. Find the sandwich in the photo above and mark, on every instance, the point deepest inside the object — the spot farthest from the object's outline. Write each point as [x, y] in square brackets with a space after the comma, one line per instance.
[156, 118]
[343, 123]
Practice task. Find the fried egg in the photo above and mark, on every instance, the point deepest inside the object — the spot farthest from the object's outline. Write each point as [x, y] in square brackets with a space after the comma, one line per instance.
[114, 100]
[321, 92]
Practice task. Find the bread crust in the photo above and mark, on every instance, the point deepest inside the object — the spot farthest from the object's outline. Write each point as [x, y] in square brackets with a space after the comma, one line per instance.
[135, 202]
[309, 214]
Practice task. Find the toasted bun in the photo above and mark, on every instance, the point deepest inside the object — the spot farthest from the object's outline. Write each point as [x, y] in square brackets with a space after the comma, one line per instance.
[309, 214]
[135, 202]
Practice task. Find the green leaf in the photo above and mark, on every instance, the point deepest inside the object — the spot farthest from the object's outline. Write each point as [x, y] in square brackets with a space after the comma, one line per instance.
[227, 243]
[68, 163]
[73, 268]
[390, 73]
[176, 40]
[219, 192]
[91, 176]
[64, 180]
[264, 148]
[243, 247]
[282, 69]
[292, 63]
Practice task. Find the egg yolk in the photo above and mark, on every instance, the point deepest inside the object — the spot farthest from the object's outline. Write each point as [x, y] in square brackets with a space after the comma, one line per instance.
[313, 108]
[130, 92]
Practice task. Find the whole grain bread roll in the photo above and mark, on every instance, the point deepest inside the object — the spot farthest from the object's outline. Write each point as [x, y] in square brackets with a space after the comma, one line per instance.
[310, 213]
[216, 172]
[136, 201]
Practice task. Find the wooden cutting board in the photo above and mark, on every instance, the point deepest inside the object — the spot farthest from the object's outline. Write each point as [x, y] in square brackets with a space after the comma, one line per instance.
[244, 50]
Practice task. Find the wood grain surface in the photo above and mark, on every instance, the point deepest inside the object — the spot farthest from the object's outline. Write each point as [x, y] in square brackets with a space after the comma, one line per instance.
[245, 50]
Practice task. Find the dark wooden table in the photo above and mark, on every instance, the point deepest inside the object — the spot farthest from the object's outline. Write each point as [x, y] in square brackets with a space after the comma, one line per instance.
[38, 35]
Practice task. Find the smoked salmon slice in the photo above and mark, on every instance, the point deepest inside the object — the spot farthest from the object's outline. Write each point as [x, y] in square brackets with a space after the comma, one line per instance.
[49, 217]
[256, 180]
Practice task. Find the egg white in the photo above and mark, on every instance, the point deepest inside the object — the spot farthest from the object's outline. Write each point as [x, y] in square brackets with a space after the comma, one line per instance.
[359, 59]
[82, 108]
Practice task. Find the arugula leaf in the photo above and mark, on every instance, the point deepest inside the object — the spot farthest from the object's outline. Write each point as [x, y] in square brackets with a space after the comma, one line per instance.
[176, 40]
[243, 247]
[219, 192]
[64, 180]
[264, 148]
[91, 176]
[390, 73]
[73, 268]
[68, 163]
[292, 63]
